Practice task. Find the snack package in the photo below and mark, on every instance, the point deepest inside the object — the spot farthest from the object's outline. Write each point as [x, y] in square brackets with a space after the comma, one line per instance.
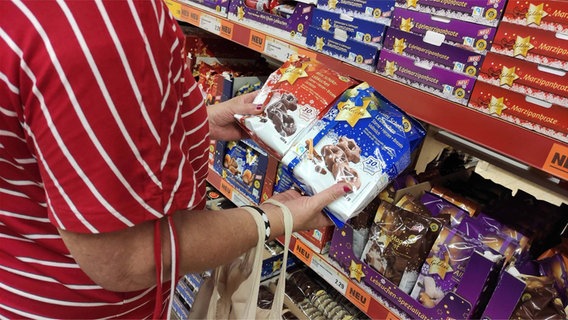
[363, 140]
[444, 266]
[294, 97]
[539, 300]
[399, 242]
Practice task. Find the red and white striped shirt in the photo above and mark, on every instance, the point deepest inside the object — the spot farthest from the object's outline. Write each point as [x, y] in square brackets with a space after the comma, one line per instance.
[102, 127]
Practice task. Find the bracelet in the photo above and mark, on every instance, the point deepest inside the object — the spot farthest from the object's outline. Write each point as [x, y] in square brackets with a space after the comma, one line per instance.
[266, 221]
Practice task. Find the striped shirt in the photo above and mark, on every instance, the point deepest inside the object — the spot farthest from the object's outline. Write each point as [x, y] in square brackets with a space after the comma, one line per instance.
[102, 127]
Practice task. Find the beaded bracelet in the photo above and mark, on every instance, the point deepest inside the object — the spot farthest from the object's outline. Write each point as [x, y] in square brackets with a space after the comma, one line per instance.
[266, 221]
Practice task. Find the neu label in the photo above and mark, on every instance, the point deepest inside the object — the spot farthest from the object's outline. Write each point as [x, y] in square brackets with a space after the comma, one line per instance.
[358, 296]
[560, 160]
[303, 252]
[256, 39]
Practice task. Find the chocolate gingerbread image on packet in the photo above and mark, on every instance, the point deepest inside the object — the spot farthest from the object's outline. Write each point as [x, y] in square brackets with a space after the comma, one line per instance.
[363, 140]
[293, 97]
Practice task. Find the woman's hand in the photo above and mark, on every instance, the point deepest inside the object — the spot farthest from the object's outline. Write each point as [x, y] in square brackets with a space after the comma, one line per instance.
[307, 210]
[222, 123]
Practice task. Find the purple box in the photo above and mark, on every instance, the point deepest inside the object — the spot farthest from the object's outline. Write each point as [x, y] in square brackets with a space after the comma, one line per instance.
[486, 12]
[373, 10]
[466, 34]
[454, 305]
[505, 297]
[292, 28]
[370, 32]
[357, 53]
[444, 55]
[453, 86]
[218, 7]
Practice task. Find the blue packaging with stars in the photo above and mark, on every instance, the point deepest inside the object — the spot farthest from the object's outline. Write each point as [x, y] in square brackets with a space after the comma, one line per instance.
[363, 140]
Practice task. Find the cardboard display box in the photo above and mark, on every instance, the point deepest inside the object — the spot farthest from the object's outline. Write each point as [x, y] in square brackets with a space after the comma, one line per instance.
[549, 15]
[526, 77]
[373, 10]
[533, 114]
[343, 48]
[453, 86]
[471, 36]
[482, 12]
[292, 27]
[218, 7]
[540, 46]
[366, 31]
[443, 55]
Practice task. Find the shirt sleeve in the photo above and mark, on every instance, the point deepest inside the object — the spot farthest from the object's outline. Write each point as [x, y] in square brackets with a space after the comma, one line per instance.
[111, 113]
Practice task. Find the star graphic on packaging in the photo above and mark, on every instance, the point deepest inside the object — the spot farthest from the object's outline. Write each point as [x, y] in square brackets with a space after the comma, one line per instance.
[399, 45]
[508, 76]
[356, 271]
[406, 24]
[411, 3]
[496, 106]
[535, 14]
[292, 73]
[277, 265]
[390, 68]
[439, 266]
[240, 13]
[522, 46]
[320, 43]
[325, 25]
[351, 113]
[332, 4]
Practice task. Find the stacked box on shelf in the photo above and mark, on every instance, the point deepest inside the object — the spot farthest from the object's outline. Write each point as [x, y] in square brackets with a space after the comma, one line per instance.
[373, 10]
[218, 7]
[525, 77]
[340, 46]
[549, 15]
[468, 35]
[424, 51]
[245, 167]
[346, 37]
[369, 32]
[481, 12]
[453, 86]
[532, 44]
[291, 26]
[534, 114]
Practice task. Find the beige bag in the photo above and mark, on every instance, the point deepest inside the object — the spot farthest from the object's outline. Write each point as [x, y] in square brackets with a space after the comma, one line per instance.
[232, 290]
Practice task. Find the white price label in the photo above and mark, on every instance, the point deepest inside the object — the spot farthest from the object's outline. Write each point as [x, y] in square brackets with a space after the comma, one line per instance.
[210, 23]
[327, 272]
[278, 49]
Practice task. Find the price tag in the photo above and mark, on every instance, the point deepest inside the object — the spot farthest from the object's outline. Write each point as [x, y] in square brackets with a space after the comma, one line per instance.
[256, 41]
[329, 274]
[210, 24]
[227, 29]
[278, 49]
[557, 161]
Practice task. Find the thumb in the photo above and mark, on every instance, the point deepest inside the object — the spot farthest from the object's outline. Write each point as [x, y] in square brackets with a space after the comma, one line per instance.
[327, 196]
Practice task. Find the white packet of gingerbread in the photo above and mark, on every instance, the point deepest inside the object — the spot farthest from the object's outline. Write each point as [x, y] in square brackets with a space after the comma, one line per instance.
[363, 140]
[294, 97]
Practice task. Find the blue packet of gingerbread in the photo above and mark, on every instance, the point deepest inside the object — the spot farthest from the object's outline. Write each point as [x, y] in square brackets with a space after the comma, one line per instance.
[363, 140]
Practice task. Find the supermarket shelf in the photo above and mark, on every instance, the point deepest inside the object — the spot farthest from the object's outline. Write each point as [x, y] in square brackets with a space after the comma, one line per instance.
[353, 291]
[536, 151]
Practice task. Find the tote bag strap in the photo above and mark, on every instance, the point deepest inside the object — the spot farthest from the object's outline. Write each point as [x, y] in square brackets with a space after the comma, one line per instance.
[276, 311]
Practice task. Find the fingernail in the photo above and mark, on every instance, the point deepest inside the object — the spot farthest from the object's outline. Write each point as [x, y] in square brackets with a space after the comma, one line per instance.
[347, 189]
[259, 107]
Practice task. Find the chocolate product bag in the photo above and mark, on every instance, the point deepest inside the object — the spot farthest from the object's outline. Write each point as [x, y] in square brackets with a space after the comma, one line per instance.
[294, 97]
[363, 140]
[399, 242]
[444, 266]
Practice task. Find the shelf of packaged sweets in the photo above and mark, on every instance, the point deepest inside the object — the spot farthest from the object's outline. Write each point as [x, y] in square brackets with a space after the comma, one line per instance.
[353, 291]
[537, 150]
